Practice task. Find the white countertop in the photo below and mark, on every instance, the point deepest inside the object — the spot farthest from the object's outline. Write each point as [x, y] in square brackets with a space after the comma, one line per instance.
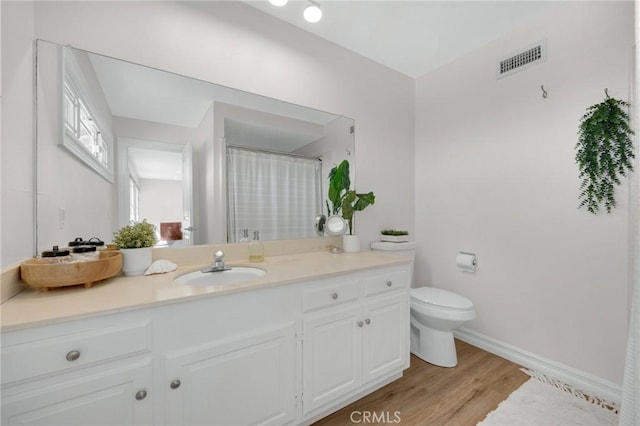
[33, 307]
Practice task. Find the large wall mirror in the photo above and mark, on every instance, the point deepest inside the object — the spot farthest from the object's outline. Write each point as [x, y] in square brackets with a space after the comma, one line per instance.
[117, 141]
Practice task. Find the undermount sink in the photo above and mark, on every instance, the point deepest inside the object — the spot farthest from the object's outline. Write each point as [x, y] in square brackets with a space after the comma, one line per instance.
[234, 275]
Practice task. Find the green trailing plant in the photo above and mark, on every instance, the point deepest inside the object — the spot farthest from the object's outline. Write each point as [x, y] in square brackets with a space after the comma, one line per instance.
[604, 153]
[136, 235]
[393, 232]
[344, 200]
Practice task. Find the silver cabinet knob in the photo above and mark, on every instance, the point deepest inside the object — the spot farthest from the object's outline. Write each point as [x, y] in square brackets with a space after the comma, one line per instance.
[73, 355]
[334, 296]
[175, 384]
[359, 323]
[141, 394]
[367, 321]
[389, 283]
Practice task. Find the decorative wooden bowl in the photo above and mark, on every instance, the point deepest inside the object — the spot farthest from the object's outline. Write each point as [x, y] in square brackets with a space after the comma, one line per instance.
[50, 272]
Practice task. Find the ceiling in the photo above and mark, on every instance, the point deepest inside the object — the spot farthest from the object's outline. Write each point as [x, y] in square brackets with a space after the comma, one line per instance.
[412, 37]
[152, 95]
[145, 93]
[155, 164]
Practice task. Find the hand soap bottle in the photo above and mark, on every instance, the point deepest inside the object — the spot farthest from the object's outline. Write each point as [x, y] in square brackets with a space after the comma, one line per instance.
[245, 236]
[256, 249]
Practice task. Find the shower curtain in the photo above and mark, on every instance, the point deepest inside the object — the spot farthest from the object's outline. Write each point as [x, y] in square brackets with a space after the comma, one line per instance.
[276, 194]
[630, 406]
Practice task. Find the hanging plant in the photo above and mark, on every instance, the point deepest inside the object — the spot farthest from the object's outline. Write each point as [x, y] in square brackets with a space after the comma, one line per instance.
[604, 153]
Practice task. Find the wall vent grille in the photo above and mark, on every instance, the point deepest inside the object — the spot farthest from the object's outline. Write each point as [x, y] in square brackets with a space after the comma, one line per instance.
[522, 60]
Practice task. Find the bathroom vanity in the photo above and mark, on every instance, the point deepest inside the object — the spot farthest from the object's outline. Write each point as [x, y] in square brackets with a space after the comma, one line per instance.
[317, 332]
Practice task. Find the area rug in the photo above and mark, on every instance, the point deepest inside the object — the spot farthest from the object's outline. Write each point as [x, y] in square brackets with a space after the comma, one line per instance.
[540, 403]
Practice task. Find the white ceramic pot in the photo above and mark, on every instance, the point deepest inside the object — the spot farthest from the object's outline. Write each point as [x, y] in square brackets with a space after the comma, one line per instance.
[136, 261]
[350, 243]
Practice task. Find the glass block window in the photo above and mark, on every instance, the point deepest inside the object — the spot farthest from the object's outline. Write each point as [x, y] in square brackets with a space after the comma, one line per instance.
[82, 132]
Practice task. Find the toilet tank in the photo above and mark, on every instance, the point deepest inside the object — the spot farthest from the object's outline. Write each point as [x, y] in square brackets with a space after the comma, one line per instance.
[406, 249]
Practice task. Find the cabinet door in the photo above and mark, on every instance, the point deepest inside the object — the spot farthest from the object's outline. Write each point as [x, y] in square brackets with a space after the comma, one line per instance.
[117, 396]
[247, 380]
[332, 352]
[385, 339]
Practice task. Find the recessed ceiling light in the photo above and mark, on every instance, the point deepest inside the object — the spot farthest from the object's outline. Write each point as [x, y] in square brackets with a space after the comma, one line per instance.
[278, 3]
[313, 13]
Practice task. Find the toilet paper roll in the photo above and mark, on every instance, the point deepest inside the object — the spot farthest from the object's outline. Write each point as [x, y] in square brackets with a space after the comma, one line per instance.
[466, 261]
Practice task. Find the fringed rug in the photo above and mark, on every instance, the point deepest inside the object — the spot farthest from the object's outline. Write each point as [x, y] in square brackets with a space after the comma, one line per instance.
[541, 401]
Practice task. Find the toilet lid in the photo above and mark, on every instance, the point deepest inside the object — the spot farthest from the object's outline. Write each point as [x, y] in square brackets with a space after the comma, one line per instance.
[440, 297]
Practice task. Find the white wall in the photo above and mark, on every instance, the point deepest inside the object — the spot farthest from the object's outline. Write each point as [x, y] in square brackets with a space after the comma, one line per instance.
[125, 127]
[73, 199]
[335, 146]
[203, 171]
[17, 132]
[496, 175]
[160, 201]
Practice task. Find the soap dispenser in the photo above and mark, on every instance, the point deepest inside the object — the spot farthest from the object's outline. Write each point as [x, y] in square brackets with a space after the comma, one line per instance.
[256, 249]
[245, 236]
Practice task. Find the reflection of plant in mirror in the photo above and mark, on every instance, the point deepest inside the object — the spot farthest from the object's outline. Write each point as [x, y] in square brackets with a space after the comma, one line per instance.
[136, 235]
[344, 199]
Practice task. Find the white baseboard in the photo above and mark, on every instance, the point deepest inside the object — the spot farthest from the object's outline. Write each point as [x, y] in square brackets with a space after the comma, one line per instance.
[585, 382]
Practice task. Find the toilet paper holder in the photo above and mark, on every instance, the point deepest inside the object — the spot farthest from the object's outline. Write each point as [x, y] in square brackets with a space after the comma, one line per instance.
[466, 261]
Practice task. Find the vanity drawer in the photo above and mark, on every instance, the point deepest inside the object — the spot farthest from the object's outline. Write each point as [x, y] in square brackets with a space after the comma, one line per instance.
[330, 294]
[62, 353]
[383, 283]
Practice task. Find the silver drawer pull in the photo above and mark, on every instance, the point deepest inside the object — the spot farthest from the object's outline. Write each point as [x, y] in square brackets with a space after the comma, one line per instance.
[141, 394]
[334, 296]
[73, 355]
[367, 321]
[389, 283]
[359, 323]
[175, 384]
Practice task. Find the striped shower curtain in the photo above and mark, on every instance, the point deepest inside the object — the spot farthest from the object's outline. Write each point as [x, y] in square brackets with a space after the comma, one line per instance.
[276, 194]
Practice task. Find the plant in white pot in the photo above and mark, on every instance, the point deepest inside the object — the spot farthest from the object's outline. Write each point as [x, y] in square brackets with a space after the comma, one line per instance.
[135, 242]
[347, 201]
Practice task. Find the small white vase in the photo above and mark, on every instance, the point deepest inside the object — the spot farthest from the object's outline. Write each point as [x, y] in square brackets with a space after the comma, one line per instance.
[136, 261]
[350, 243]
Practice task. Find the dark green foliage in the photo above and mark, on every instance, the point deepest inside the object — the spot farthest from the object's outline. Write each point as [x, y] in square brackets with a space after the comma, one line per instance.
[343, 198]
[393, 232]
[604, 153]
[339, 182]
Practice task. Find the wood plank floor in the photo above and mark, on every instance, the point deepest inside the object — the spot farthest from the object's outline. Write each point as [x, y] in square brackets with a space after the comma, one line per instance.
[436, 396]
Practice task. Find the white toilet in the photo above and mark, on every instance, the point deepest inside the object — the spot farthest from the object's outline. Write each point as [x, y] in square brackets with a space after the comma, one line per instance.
[435, 313]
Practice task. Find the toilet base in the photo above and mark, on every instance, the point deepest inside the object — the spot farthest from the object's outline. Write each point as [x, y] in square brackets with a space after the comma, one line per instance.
[433, 346]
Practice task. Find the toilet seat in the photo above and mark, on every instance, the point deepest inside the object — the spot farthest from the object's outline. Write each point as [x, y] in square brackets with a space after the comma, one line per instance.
[438, 297]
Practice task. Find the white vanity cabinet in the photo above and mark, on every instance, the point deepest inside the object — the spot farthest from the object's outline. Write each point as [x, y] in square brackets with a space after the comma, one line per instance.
[355, 332]
[277, 355]
[98, 372]
[231, 360]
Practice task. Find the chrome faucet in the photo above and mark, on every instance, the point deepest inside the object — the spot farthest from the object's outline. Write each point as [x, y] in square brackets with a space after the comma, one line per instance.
[218, 264]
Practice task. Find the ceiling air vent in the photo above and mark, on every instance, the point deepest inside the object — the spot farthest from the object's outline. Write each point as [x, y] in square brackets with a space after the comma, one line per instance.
[522, 60]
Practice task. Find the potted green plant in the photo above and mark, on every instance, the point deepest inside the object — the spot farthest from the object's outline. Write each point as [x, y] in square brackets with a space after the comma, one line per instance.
[394, 236]
[604, 153]
[135, 242]
[346, 201]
